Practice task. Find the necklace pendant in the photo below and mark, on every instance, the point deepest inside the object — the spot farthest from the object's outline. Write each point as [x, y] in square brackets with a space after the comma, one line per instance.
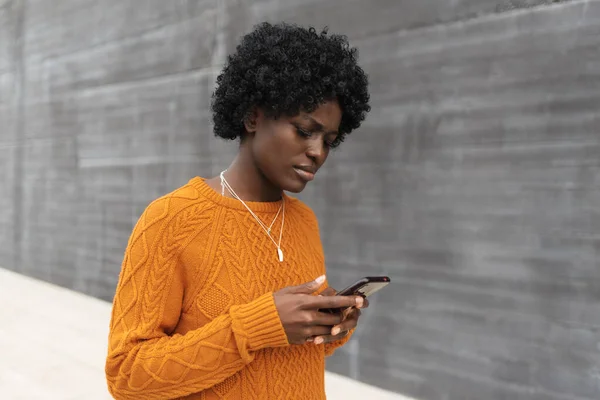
[280, 254]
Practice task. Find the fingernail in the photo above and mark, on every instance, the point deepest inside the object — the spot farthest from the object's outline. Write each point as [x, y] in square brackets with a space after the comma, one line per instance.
[318, 340]
[320, 279]
[359, 302]
[335, 330]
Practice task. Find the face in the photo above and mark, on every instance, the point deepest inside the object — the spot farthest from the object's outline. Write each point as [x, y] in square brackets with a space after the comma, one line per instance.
[290, 150]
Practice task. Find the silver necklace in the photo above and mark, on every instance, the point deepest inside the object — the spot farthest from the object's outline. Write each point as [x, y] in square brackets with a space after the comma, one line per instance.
[230, 189]
[225, 184]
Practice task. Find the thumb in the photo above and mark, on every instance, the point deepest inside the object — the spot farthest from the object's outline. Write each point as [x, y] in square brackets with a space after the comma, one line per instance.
[308, 287]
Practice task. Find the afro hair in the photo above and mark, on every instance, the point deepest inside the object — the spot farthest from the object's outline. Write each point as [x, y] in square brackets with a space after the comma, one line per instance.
[284, 69]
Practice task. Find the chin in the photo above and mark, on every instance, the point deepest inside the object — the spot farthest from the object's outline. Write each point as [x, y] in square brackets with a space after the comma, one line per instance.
[294, 186]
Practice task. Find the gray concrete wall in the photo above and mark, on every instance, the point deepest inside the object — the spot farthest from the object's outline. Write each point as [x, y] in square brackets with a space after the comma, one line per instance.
[475, 183]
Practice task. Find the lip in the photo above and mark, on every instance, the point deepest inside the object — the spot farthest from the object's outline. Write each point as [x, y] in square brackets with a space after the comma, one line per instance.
[305, 175]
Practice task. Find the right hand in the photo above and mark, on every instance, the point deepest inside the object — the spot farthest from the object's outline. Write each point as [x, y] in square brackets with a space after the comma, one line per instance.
[299, 310]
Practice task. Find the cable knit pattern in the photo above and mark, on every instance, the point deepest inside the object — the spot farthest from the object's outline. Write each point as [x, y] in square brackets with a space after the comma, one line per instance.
[193, 315]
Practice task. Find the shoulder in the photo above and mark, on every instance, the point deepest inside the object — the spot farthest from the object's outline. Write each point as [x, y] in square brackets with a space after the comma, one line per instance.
[303, 210]
[178, 206]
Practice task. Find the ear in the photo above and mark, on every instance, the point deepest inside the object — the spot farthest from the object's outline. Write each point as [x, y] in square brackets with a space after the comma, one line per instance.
[251, 120]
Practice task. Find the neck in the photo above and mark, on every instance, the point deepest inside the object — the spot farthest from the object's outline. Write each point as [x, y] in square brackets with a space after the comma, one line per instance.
[249, 182]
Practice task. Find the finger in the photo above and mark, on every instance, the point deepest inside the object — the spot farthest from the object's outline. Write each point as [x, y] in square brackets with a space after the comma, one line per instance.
[319, 330]
[317, 302]
[334, 311]
[320, 339]
[346, 313]
[322, 318]
[328, 292]
[306, 288]
[344, 326]
[365, 304]
[348, 324]
[360, 301]
[354, 313]
[330, 338]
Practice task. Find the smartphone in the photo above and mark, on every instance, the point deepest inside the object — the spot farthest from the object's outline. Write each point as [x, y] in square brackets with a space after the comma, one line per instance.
[363, 287]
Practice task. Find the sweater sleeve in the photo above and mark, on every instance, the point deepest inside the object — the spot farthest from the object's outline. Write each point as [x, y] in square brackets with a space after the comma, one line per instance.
[145, 359]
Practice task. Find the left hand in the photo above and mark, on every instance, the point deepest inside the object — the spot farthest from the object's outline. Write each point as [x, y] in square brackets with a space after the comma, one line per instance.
[349, 321]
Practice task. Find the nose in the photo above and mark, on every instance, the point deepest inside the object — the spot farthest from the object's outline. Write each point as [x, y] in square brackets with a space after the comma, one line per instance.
[316, 150]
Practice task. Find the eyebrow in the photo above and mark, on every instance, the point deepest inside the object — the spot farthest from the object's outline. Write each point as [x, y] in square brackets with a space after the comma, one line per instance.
[317, 125]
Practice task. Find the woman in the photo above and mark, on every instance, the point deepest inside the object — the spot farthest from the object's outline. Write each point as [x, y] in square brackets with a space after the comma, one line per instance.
[217, 292]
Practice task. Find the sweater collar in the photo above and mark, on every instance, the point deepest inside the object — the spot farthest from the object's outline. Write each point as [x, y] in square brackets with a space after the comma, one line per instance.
[256, 206]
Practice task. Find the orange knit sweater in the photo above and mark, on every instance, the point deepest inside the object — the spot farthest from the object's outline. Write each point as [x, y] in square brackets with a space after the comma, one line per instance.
[193, 314]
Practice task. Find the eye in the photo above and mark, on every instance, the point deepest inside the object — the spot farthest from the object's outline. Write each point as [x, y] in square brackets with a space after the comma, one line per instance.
[303, 133]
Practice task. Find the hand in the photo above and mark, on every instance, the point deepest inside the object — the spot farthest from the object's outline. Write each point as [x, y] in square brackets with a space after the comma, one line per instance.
[299, 310]
[349, 317]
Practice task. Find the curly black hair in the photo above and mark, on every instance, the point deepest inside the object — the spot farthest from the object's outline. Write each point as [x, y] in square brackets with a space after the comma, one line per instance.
[284, 69]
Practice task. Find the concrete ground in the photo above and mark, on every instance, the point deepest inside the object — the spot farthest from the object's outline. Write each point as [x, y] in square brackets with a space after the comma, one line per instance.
[53, 345]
